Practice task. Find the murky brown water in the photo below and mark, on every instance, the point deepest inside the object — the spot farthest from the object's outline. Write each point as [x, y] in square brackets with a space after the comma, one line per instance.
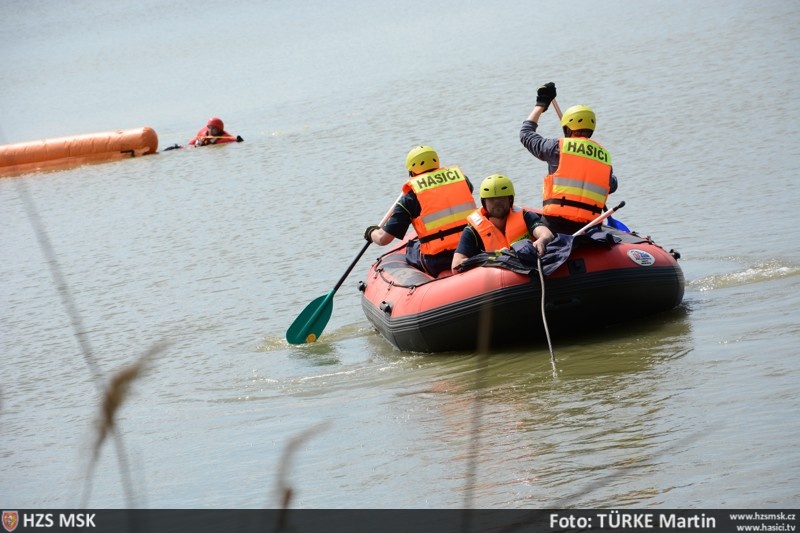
[217, 250]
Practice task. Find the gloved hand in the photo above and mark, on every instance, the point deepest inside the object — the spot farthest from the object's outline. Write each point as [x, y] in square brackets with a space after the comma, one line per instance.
[546, 94]
[368, 232]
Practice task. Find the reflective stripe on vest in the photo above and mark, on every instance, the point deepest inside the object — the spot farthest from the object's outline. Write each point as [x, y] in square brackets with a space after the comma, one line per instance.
[445, 201]
[494, 239]
[579, 187]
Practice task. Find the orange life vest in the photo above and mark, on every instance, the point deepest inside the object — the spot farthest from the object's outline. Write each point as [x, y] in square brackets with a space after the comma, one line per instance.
[579, 187]
[494, 239]
[223, 137]
[445, 201]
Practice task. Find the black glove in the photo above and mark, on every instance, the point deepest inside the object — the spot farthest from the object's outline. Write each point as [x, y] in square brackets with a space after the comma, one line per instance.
[546, 94]
[239, 139]
[368, 232]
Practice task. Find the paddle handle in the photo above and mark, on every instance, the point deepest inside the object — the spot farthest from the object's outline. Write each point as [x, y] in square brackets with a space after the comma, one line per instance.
[599, 219]
[555, 106]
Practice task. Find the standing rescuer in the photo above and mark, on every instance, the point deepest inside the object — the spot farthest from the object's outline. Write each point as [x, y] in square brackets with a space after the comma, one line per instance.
[436, 201]
[580, 176]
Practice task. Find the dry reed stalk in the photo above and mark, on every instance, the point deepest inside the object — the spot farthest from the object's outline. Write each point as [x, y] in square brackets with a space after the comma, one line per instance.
[117, 392]
[285, 491]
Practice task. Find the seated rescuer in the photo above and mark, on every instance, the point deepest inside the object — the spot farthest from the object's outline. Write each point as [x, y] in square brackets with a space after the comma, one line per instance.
[498, 224]
[436, 200]
[580, 176]
[213, 133]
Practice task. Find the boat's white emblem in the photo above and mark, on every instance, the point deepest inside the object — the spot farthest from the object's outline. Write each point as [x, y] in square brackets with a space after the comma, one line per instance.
[640, 257]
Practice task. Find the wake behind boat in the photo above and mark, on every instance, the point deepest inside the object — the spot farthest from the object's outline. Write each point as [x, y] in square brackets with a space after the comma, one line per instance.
[606, 277]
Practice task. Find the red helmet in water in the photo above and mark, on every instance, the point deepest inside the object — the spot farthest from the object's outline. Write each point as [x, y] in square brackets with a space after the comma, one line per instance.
[215, 122]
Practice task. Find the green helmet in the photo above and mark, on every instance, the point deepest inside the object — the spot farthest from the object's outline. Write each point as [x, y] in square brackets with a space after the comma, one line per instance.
[495, 186]
[422, 159]
[579, 117]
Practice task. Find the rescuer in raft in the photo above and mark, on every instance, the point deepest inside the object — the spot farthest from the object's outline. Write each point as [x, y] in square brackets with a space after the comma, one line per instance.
[436, 201]
[580, 176]
[214, 133]
[497, 224]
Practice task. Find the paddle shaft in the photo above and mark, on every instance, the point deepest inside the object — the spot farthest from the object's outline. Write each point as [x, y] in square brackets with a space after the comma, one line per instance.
[351, 267]
[364, 248]
[308, 326]
[555, 106]
[599, 219]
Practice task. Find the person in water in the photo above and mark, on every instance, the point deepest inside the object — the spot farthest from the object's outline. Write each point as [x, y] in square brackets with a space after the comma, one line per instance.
[435, 200]
[213, 133]
[580, 176]
[498, 224]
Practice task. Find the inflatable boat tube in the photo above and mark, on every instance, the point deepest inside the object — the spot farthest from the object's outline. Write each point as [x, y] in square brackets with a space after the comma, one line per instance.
[66, 152]
[600, 284]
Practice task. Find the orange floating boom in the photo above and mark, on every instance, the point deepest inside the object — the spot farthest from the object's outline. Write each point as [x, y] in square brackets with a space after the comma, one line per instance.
[66, 152]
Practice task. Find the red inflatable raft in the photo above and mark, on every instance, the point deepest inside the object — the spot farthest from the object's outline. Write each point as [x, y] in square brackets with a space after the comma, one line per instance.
[621, 277]
[66, 152]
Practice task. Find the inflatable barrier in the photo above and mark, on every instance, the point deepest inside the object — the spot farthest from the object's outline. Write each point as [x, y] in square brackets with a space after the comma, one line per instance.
[66, 152]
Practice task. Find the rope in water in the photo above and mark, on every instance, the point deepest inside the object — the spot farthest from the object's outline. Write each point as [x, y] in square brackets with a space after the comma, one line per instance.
[544, 317]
